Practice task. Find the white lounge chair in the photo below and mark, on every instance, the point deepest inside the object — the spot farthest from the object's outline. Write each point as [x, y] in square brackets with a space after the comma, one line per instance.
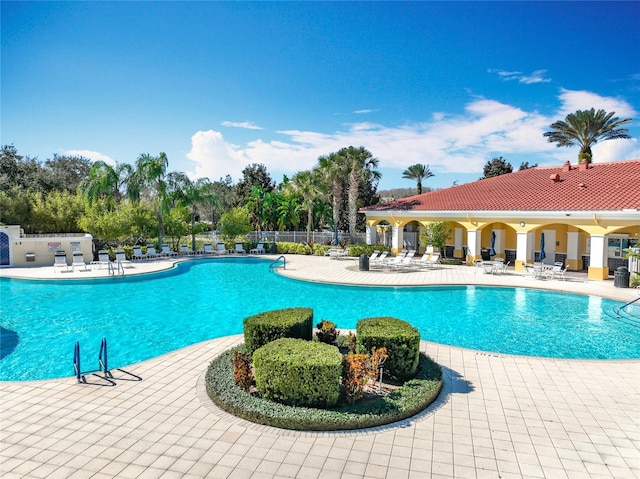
[407, 261]
[166, 251]
[184, 251]
[378, 261]
[137, 253]
[103, 260]
[60, 262]
[221, 249]
[78, 261]
[337, 253]
[121, 258]
[151, 252]
[530, 271]
[259, 249]
[240, 249]
[395, 261]
[558, 271]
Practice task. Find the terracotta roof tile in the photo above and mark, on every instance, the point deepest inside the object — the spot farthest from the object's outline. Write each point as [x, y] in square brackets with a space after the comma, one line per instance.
[602, 187]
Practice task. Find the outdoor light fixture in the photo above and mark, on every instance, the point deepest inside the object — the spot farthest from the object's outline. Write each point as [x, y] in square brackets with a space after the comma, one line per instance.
[522, 224]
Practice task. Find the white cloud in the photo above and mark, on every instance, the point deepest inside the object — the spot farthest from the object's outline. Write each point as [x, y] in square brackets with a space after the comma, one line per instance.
[537, 76]
[449, 143]
[92, 155]
[363, 112]
[573, 100]
[245, 124]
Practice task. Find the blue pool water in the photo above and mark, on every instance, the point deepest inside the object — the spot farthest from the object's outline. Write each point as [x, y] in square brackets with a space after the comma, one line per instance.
[144, 317]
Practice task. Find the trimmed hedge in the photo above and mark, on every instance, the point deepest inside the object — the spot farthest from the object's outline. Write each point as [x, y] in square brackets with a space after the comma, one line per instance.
[298, 372]
[358, 249]
[400, 338]
[263, 328]
[410, 399]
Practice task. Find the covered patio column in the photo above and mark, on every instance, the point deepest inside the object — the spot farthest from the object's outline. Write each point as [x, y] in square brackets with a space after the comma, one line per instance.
[474, 238]
[524, 249]
[397, 239]
[370, 235]
[457, 245]
[573, 260]
[499, 246]
[598, 267]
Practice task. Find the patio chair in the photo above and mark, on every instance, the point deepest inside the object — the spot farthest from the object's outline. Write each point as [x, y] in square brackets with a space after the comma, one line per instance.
[558, 271]
[166, 251]
[407, 261]
[395, 261]
[78, 261]
[530, 271]
[185, 251]
[137, 253]
[103, 260]
[259, 249]
[240, 249]
[151, 252]
[337, 253]
[378, 261]
[221, 249]
[60, 261]
[121, 258]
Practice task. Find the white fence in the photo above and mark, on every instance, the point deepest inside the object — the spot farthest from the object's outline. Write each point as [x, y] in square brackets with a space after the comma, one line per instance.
[320, 237]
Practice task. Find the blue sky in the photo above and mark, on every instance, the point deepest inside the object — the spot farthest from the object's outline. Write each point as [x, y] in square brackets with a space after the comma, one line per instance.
[219, 85]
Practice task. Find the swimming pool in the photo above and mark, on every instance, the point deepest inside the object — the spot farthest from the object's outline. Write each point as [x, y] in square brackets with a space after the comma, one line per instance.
[144, 317]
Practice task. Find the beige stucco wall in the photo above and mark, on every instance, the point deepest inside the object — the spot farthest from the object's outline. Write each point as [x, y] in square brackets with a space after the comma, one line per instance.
[44, 248]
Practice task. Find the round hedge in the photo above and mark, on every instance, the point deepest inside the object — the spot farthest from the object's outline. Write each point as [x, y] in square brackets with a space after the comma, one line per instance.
[410, 399]
[400, 338]
[263, 328]
[298, 372]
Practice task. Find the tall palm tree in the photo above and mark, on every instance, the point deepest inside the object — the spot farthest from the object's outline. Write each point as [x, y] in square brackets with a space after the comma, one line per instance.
[333, 169]
[585, 128]
[417, 172]
[306, 185]
[105, 181]
[149, 176]
[361, 166]
[191, 194]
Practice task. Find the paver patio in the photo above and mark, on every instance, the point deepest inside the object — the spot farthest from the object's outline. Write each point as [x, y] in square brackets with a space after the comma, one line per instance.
[499, 416]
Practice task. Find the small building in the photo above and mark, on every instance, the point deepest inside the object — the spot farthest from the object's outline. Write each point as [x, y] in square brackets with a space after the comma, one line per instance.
[583, 215]
[20, 250]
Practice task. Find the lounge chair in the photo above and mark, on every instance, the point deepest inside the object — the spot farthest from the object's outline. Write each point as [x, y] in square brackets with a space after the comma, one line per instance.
[166, 251]
[78, 261]
[103, 260]
[121, 258]
[407, 261]
[221, 249]
[137, 253]
[184, 251]
[395, 261]
[60, 261]
[378, 261]
[207, 249]
[337, 253]
[151, 253]
[259, 249]
[240, 249]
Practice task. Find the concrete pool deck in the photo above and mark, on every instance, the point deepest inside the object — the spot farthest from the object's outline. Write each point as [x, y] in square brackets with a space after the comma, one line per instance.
[499, 416]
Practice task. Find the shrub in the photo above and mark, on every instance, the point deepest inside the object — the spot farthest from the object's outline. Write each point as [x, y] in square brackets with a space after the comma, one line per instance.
[298, 372]
[408, 400]
[242, 371]
[327, 332]
[358, 249]
[355, 374]
[400, 338]
[263, 328]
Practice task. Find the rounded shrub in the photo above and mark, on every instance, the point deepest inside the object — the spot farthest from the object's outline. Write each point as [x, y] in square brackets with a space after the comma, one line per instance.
[263, 328]
[400, 338]
[298, 373]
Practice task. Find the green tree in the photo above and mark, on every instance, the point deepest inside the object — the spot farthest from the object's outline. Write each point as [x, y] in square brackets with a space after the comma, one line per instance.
[436, 234]
[306, 185]
[333, 168]
[235, 222]
[585, 128]
[150, 178]
[288, 213]
[496, 167]
[525, 166]
[105, 181]
[252, 175]
[417, 172]
[57, 212]
[64, 172]
[15, 207]
[362, 167]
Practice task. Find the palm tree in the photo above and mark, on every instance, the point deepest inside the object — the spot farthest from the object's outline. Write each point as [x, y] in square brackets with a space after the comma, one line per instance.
[150, 175]
[585, 128]
[417, 172]
[306, 186]
[333, 169]
[105, 181]
[361, 165]
[192, 194]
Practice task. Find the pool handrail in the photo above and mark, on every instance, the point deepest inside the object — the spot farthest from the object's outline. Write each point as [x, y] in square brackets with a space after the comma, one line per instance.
[102, 361]
[627, 304]
[277, 260]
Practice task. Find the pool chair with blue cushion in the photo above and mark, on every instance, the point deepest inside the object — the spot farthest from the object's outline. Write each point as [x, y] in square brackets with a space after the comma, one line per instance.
[259, 249]
[221, 248]
[78, 262]
[60, 262]
[166, 251]
[240, 249]
[137, 253]
[207, 249]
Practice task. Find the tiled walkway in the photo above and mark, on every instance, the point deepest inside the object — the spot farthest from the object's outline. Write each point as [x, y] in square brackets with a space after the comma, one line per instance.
[498, 417]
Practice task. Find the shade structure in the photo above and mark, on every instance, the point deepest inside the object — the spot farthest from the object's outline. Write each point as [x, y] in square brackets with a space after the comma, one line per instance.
[542, 253]
[492, 251]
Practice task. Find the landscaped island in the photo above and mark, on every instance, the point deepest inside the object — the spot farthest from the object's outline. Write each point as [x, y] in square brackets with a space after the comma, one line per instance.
[283, 377]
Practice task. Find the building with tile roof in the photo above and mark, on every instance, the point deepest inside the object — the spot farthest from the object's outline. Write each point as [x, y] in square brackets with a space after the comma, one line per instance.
[587, 214]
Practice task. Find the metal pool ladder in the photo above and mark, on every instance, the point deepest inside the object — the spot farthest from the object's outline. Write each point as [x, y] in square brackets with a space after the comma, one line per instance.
[102, 362]
[276, 263]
